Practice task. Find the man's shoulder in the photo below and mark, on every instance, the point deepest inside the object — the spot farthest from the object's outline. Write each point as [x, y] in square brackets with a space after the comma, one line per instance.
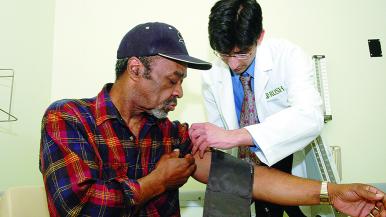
[173, 124]
[70, 106]
[218, 65]
[173, 128]
[279, 44]
[217, 72]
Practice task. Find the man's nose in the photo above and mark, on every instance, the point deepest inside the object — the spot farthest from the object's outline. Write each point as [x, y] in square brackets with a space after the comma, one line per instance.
[178, 91]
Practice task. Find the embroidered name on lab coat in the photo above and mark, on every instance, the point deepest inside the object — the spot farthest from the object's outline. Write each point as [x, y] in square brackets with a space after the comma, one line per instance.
[274, 92]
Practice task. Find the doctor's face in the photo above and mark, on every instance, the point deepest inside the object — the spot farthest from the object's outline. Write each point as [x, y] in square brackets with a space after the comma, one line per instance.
[239, 60]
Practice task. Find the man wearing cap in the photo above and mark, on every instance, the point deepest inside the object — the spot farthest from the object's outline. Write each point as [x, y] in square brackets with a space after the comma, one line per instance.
[111, 154]
[118, 155]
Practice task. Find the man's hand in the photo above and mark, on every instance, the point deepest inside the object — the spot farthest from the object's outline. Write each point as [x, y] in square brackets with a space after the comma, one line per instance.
[357, 199]
[205, 135]
[173, 171]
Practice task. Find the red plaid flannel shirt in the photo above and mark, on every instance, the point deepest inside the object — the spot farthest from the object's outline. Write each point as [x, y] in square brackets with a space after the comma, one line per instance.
[91, 161]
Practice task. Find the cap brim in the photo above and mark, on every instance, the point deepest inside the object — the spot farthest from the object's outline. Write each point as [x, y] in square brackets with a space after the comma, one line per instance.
[191, 62]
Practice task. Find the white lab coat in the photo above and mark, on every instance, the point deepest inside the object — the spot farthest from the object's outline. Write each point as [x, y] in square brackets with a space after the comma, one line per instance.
[288, 105]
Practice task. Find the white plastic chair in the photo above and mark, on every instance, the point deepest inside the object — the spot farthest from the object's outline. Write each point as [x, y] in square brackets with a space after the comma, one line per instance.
[26, 201]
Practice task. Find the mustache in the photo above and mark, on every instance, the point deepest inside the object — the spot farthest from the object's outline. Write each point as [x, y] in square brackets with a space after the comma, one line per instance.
[170, 101]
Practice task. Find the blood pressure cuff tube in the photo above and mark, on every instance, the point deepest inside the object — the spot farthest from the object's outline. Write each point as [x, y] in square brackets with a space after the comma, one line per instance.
[229, 189]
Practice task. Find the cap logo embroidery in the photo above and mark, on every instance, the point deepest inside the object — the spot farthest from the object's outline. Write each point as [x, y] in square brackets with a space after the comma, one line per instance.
[180, 37]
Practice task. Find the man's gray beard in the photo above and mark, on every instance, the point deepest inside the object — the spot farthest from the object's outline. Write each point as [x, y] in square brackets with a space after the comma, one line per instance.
[161, 112]
[158, 113]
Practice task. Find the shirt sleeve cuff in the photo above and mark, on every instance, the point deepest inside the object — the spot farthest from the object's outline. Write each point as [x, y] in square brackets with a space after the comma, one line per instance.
[132, 191]
[255, 147]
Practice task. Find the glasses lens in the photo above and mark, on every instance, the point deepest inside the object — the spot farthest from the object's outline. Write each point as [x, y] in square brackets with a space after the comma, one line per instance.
[240, 56]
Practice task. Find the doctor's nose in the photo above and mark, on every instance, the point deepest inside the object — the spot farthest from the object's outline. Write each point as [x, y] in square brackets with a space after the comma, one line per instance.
[233, 63]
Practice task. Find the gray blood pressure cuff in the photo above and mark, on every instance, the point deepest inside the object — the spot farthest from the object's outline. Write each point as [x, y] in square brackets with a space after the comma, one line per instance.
[229, 189]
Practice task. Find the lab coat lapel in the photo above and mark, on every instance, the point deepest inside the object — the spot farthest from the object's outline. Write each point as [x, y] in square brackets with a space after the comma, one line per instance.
[263, 64]
[226, 97]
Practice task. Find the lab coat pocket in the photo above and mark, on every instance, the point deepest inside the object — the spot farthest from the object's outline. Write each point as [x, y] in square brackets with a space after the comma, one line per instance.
[277, 99]
[275, 93]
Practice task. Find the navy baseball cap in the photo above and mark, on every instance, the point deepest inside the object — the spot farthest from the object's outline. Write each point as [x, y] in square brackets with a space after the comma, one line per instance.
[149, 39]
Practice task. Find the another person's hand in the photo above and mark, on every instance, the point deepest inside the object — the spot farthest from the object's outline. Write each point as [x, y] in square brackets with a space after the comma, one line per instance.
[357, 199]
[205, 135]
[174, 171]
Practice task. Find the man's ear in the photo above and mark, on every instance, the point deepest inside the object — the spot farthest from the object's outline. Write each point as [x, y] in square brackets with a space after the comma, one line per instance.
[260, 39]
[133, 67]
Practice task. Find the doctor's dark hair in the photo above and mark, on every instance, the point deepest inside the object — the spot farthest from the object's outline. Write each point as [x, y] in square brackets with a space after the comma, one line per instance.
[121, 65]
[234, 23]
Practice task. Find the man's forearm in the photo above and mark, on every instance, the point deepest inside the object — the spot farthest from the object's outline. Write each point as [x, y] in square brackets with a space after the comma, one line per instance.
[151, 186]
[201, 173]
[270, 184]
[281, 188]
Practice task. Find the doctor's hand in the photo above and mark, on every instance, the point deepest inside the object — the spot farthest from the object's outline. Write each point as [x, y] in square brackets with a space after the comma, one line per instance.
[205, 135]
[358, 199]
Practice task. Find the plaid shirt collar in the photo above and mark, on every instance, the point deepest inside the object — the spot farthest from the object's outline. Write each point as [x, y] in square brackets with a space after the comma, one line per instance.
[105, 109]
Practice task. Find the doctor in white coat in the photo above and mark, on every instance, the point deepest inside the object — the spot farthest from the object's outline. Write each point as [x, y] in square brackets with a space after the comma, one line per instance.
[289, 108]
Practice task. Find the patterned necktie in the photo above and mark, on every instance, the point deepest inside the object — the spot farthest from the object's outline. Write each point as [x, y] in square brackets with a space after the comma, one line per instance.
[248, 116]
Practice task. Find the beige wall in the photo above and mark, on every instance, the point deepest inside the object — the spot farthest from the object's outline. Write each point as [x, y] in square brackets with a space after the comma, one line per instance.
[87, 32]
[26, 36]
[340, 30]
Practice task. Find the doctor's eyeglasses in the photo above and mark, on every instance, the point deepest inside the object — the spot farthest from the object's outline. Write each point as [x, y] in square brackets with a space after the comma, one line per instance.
[239, 56]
